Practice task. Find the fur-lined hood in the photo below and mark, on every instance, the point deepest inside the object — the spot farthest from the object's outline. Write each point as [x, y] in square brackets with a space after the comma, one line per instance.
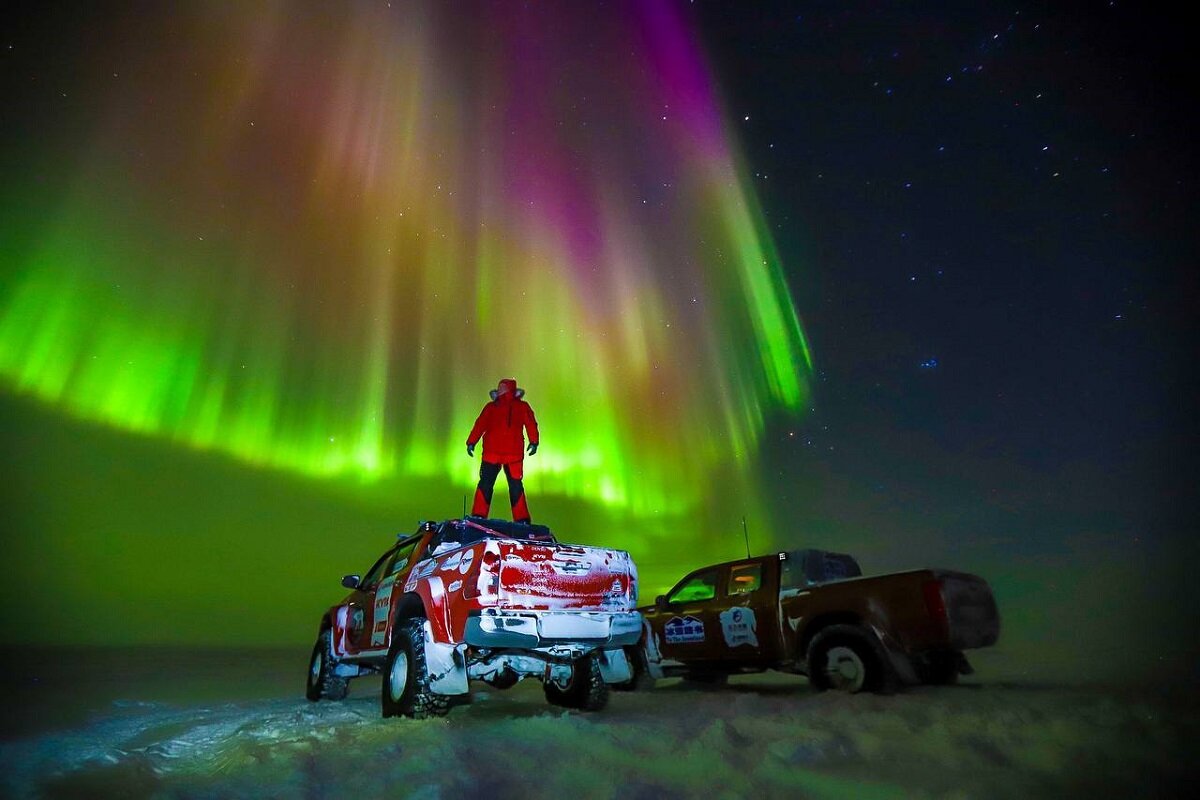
[511, 385]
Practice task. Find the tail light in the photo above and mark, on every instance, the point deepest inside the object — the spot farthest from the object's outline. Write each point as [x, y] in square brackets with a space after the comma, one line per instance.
[935, 604]
[485, 571]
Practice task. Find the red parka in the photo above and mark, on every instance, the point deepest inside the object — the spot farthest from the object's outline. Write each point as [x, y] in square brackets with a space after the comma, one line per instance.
[502, 424]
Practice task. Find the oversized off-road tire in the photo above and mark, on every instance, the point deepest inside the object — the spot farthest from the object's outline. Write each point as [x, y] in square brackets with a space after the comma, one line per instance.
[586, 691]
[705, 680]
[940, 668]
[405, 686]
[323, 684]
[642, 680]
[848, 658]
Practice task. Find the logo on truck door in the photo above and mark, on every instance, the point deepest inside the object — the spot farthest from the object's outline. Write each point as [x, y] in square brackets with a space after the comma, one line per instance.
[739, 627]
[682, 630]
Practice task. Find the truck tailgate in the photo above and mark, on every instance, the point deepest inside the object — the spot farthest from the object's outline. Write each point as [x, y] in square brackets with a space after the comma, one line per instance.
[971, 610]
[554, 577]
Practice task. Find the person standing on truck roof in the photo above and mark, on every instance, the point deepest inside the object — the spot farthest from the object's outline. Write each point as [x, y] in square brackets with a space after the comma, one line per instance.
[502, 424]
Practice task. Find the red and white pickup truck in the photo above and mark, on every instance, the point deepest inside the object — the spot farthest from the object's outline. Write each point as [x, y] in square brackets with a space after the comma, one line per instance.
[481, 599]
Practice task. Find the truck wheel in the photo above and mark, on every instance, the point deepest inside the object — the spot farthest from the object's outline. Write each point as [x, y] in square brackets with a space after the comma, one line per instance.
[405, 685]
[587, 690]
[323, 683]
[843, 657]
[642, 680]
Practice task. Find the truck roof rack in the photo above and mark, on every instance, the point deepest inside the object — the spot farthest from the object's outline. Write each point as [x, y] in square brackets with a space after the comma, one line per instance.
[517, 530]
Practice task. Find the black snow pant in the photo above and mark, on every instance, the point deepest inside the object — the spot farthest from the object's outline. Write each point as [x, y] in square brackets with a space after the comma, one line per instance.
[488, 473]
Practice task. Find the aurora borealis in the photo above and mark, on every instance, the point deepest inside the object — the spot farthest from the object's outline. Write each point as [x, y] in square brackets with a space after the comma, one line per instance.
[913, 282]
[261, 263]
[320, 263]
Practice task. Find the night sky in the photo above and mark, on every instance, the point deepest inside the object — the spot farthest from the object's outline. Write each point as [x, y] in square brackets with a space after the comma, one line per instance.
[993, 207]
[258, 269]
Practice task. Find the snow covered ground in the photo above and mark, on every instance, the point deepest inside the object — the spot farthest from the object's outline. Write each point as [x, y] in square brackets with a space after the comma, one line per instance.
[170, 731]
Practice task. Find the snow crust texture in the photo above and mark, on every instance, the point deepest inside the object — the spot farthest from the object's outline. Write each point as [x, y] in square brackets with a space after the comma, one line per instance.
[762, 736]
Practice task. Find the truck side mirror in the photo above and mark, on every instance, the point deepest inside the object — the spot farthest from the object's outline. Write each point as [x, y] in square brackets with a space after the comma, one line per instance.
[350, 581]
[660, 601]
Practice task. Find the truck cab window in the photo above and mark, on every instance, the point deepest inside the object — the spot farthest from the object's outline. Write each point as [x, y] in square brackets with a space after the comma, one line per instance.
[695, 589]
[744, 579]
[373, 576]
[403, 556]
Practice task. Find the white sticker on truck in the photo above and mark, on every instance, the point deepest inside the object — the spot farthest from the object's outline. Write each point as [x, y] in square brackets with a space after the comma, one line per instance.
[682, 630]
[739, 627]
[383, 605]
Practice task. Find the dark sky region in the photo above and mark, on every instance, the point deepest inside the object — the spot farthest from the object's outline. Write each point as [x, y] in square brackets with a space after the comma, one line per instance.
[996, 204]
[983, 214]
[987, 214]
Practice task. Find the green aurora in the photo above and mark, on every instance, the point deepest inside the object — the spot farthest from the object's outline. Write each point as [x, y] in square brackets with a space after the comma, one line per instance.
[264, 306]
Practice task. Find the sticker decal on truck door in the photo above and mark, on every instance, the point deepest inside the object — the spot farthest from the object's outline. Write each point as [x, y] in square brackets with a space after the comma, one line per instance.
[682, 630]
[383, 606]
[739, 627]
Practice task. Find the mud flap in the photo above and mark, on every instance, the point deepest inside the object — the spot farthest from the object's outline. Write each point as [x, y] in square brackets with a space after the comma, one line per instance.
[901, 664]
[446, 665]
[649, 645]
[614, 666]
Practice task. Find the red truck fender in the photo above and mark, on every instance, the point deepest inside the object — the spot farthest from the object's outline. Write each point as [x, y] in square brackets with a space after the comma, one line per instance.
[405, 605]
[429, 589]
[433, 578]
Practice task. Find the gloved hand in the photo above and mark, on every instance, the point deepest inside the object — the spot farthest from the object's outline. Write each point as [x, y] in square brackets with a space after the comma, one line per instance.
[532, 448]
[471, 450]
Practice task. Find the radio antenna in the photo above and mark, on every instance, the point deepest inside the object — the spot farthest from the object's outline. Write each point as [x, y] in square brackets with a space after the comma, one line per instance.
[746, 536]
[464, 506]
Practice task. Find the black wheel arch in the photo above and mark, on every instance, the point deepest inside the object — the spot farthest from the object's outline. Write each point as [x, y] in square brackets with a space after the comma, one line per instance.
[820, 623]
[885, 678]
[409, 606]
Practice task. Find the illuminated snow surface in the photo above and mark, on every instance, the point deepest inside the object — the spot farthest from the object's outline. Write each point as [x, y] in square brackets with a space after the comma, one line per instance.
[763, 736]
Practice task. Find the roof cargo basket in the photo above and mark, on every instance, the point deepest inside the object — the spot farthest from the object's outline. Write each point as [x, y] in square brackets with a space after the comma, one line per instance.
[517, 530]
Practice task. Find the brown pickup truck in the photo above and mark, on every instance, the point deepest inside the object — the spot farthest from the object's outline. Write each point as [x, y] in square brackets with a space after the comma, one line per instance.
[811, 612]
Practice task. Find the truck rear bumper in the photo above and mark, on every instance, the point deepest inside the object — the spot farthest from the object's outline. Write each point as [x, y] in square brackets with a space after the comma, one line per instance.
[530, 629]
